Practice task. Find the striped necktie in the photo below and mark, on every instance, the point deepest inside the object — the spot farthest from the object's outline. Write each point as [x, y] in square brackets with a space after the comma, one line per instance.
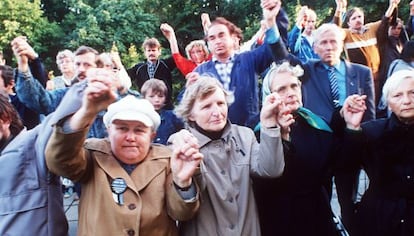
[334, 86]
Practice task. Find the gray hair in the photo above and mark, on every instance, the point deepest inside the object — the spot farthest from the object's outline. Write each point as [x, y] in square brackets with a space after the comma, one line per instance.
[285, 67]
[393, 81]
[200, 89]
[329, 27]
[64, 54]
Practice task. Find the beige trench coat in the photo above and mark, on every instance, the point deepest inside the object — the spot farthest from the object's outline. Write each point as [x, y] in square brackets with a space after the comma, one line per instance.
[151, 203]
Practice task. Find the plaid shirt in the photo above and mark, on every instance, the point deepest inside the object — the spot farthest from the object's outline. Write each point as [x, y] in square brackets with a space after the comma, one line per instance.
[152, 67]
[224, 71]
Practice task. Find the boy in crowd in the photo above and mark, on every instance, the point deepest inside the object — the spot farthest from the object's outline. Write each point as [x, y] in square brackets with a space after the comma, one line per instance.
[155, 91]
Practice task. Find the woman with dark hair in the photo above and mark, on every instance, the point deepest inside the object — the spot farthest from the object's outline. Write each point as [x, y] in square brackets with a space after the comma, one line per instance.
[406, 60]
[10, 122]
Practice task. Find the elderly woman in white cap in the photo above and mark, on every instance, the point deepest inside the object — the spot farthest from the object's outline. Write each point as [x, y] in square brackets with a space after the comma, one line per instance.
[232, 156]
[129, 185]
[385, 149]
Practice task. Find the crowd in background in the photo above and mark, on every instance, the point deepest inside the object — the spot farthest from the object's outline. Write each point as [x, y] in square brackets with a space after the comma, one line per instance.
[252, 144]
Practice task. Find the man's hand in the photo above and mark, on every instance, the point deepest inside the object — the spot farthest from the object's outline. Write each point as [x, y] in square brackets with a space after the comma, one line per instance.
[19, 51]
[301, 18]
[185, 158]
[205, 22]
[270, 10]
[101, 90]
[98, 95]
[24, 47]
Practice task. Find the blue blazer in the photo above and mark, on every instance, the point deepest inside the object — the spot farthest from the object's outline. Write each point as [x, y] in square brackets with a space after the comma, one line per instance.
[316, 89]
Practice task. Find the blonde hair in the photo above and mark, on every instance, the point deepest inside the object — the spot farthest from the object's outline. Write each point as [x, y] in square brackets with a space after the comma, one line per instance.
[198, 44]
[104, 59]
[151, 43]
[200, 89]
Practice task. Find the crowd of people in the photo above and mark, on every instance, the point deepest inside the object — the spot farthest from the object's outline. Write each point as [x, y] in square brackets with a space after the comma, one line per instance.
[252, 145]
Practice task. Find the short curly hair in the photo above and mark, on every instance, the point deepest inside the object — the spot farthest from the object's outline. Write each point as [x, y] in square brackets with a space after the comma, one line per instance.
[199, 90]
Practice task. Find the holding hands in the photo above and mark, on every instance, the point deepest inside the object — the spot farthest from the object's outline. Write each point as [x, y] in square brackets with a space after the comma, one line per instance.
[353, 111]
[23, 52]
[270, 110]
[185, 159]
[285, 119]
[270, 10]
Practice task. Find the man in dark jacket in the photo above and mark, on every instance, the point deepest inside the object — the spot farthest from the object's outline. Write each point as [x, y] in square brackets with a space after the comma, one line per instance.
[154, 68]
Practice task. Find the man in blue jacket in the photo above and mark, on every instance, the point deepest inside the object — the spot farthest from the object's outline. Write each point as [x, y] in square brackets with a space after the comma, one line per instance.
[238, 72]
[31, 201]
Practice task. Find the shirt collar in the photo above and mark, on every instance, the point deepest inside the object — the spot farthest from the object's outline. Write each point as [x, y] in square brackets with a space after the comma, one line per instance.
[230, 59]
[337, 65]
[361, 31]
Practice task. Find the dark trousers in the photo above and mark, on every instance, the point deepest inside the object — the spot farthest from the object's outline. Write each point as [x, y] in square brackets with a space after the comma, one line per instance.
[346, 188]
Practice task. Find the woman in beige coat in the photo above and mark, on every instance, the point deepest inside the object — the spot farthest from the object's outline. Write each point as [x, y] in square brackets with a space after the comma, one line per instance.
[129, 186]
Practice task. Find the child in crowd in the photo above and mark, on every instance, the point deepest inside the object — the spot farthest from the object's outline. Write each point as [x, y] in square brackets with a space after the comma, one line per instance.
[155, 91]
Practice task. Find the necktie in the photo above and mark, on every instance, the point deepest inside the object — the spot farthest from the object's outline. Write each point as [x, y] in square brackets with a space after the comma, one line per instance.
[334, 86]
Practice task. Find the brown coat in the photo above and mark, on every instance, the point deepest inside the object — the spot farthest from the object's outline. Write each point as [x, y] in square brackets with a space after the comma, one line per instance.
[151, 203]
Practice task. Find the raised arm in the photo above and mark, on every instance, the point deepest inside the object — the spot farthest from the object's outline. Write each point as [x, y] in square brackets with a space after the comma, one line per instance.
[29, 90]
[294, 40]
[169, 33]
[69, 160]
[122, 73]
[270, 159]
[393, 4]
[205, 22]
[339, 11]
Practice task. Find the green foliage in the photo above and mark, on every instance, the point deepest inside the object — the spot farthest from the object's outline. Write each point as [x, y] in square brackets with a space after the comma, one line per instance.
[99, 25]
[131, 58]
[19, 17]
[55, 10]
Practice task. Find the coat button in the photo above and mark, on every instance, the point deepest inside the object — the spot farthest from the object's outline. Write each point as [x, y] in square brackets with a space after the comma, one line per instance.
[222, 172]
[231, 200]
[131, 232]
[132, 206]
